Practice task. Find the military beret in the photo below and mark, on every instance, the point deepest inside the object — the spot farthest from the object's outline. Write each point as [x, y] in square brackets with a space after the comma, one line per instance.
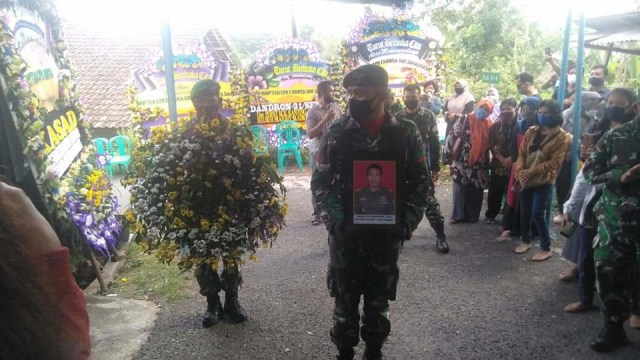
[204, 87]
[366, 75]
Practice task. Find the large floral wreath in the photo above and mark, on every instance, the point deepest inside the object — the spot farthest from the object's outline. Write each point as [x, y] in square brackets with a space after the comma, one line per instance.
[199, 189]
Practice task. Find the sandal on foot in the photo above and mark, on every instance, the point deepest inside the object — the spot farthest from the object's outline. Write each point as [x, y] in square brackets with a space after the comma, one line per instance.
[577, 307]
[569, 276]
[522, 248]
[541, 256]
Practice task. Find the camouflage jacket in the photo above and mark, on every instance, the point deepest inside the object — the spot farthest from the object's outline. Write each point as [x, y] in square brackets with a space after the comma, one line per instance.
[616, 152]
[427, 124]
[326, 182]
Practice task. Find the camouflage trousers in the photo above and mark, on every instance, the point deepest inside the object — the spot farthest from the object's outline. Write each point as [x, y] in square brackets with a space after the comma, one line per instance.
[617, 262]
[434, 215]
[211, 283]
[362, 264]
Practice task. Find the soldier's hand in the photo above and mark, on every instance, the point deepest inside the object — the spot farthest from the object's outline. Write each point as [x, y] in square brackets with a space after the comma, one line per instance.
[631, 175]
[22, 220]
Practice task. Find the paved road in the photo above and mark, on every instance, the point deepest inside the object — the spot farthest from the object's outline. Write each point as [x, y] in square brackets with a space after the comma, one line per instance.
[479, 302]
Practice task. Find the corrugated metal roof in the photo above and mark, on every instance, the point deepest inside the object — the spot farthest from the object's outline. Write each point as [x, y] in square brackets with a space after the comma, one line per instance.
[613, 31]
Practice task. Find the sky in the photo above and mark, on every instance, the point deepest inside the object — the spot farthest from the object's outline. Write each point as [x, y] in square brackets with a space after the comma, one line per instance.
[274, 16]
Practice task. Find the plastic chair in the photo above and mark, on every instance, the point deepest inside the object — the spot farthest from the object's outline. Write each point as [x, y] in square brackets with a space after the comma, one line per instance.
[288, 143]
[120, 149]
[260, 139]
[102, 149]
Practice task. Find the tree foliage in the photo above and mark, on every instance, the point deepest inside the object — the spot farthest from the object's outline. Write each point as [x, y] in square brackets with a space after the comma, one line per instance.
[492, 36]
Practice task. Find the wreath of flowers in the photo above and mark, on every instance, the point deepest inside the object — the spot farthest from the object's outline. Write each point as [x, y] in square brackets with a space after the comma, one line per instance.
[287, 50]
[64, 195]
[402, 22]
[374, 25]
[199, 189]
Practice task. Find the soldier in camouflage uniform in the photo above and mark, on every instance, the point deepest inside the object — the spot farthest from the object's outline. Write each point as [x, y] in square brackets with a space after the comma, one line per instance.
[363, 262]
[615, 165]
[428, 127]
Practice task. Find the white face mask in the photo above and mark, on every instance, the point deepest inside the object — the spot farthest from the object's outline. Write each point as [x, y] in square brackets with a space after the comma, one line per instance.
[591, 113]
[571, 78]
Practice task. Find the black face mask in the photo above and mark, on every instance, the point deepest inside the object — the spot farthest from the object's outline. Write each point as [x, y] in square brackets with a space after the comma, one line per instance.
[207, 112]
[459, 91]
[618, 114]
[596, 81]
[360, 109]
[411, 104]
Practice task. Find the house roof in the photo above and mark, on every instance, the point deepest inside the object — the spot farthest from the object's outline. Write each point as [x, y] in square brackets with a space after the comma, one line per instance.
[613, 31]
[103, 63]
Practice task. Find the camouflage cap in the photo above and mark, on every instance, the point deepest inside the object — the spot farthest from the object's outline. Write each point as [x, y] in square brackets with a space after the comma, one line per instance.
[206, 86]
[367, 75]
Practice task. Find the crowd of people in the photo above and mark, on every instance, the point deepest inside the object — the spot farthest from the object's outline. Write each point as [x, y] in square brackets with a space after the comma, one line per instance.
[521, 152]
[515, 149]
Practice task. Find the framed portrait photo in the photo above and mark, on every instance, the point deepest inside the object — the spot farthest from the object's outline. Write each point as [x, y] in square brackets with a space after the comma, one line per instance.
[378, 191]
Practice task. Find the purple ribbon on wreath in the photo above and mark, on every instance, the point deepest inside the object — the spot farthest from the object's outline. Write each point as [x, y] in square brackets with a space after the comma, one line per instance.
[99, 236]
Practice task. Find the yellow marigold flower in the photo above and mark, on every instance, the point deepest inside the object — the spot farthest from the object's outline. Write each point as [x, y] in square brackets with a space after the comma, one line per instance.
[253, 258]
[172, 195]
[215, 123]
[205, 225]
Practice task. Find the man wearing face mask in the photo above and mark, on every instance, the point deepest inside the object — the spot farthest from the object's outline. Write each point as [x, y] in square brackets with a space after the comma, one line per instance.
[597, 79]
[363, 262]
[318, 119]
[205, 96]
[426, 122]
[615, 165]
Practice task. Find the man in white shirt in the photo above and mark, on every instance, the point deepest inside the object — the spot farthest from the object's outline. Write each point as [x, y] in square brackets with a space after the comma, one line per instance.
[318, 119]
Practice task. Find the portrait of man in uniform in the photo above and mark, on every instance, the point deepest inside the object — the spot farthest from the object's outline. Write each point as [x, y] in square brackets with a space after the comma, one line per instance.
[374, 198]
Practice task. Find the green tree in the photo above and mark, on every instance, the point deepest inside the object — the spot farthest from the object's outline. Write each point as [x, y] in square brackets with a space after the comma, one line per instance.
[492, 36]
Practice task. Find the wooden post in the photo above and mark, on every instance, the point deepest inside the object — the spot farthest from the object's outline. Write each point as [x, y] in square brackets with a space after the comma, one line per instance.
[96, 266]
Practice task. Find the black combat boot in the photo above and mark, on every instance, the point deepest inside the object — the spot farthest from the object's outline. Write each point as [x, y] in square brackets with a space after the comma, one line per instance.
[213, 313]
[372, 352]
[345, 353]
[441, 244]
[441, 240]
[232, 307]
[611, 337]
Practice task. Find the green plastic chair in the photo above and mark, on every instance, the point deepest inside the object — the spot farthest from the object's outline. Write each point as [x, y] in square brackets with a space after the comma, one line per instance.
[102, 149]
[120, 149]
[288, 143]
[260, 139]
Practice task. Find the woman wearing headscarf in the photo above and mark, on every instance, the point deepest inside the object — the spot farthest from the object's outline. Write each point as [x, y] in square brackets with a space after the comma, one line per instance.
[494, 95]
[526, 118]
[459, 105]
[468, 149]
[540, 155]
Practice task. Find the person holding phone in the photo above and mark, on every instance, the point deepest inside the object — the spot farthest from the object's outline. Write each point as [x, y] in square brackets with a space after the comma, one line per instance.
[43, 312]
[318, 119]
